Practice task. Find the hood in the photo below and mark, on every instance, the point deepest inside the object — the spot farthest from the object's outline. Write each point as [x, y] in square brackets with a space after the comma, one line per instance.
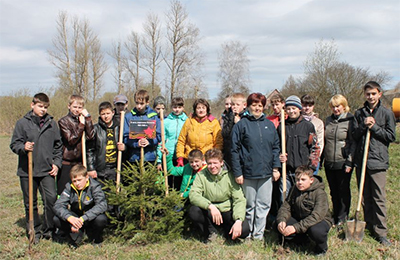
[104, 126]
[317, 184]
[218, 177]
[182, 116]
[248, 115]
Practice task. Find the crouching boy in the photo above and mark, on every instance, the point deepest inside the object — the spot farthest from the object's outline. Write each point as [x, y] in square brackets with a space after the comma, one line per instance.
[305, 211]
[80, 207]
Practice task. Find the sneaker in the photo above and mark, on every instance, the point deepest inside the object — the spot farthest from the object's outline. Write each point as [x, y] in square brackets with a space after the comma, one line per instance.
[384, 241]
[212, 237]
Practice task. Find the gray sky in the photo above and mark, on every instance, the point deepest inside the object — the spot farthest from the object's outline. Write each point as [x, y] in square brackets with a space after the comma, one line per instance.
[279, 35]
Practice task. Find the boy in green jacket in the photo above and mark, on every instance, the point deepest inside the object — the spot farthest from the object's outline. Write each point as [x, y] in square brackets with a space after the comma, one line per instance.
[187, 172]
[306, 211]
[217, 199]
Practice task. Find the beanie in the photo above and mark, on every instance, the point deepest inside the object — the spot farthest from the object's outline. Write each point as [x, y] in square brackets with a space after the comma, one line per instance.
[293, 101]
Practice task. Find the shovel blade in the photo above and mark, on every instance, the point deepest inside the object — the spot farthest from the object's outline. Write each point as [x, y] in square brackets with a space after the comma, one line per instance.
[355, 230]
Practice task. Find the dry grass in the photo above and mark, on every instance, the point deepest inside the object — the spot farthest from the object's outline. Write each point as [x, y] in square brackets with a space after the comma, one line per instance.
[14, 244]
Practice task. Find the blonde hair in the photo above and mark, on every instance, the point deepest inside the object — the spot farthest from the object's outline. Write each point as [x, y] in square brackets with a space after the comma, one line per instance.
[78, 170]
[337, 100]
[238, 96]
[76, 98]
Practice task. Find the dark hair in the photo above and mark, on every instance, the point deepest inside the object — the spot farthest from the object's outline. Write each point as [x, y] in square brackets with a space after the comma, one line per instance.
[195, 154]
[78, 170]
[255, 98]
[373, 85]
[214, 153]
[307, 100]
[177, 101]
[105, 105]
[142, 95]
[203, 102]
[277, 97]
[304, 170]
[41, 98]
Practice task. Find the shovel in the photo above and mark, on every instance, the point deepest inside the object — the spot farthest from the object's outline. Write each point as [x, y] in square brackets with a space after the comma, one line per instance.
[31, 231]
[355, 228]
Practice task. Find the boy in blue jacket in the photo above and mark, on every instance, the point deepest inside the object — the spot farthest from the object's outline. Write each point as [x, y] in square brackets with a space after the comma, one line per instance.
[80, 207]
[142, 111]
[37, 132]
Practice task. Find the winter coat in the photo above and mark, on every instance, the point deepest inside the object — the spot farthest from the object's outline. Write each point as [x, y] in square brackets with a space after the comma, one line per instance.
[220, 190]
[301, 144]
[96, 152]
[87, 203]
[203, 136]
[382, 134]
[339, 144]
[71, 134]
[132, 147]
[172, 126]
[308, 207]
[255, 147]
[47, 149]
[187, 173]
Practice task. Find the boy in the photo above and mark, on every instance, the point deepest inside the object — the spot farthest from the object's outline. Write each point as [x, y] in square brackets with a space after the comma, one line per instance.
[158, 105]
[380, 121]
[72, 127]
[120, 104]
[103, 149]
[307, 102]
[38, 133]
[227, 104]
[277, 103]
[306, 211]
[172, 126]
[80, 207]
[142, 111]
[238, 105]
[188, 172]
[301, 141]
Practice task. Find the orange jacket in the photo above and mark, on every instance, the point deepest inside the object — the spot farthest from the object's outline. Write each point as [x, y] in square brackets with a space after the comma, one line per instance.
[199, 135]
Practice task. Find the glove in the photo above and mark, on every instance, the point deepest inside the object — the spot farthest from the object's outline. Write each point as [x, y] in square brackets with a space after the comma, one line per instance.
[179, 162]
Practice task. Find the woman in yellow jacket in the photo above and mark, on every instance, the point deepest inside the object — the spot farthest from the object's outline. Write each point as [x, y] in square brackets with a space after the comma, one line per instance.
[201, 131]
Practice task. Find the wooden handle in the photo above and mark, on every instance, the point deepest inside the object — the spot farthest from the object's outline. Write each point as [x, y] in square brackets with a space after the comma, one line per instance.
[119, 159]
[164, 156]
[283, 145]
[84, 161]
[31, 231]
[363, 169]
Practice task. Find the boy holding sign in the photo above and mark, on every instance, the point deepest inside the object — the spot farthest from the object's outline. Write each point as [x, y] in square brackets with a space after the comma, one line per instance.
[142, 129]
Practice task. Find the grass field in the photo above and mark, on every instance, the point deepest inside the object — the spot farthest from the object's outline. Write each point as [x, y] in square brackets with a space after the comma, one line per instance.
[14, 244]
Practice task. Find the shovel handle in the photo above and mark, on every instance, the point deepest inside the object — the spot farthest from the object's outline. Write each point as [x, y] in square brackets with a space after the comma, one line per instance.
[31, 231]
[283, 144]
[119, 159]
[164, 157]
[363, 169]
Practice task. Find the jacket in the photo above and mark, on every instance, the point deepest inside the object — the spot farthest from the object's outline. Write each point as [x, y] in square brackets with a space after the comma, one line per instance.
[220, 190]
[96, 152]
[255, 147]
[276, 119]
[187, 173]
[71, 135]
[87, 203]
[199, 135]
[301, 143]
[132, 147]
[308, 207]
[319, 129]
[382, 134]
[172, 127]
[47, 148]
[339, 144]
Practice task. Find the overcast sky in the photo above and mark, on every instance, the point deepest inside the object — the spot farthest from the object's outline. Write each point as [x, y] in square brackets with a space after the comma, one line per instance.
[279, 35]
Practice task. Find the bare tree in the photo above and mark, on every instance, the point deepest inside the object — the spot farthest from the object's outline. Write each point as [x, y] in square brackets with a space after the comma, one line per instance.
[183, 56]
[233, 69]
[133, 61]
[119, 68]
[152, 47]
[77, 57]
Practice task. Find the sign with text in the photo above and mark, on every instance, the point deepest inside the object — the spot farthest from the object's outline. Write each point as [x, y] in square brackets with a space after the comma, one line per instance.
[142, 129]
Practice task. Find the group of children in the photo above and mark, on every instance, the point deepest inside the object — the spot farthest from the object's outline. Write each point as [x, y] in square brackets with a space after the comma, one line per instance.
[57, 153]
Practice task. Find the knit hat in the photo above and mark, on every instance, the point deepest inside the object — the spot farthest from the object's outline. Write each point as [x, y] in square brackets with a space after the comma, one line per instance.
[293, 101]
[120, 99]
[160, 100]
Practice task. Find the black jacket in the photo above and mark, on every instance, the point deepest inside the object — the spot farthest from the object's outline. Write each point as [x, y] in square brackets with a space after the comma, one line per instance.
[47, 148]
[96, 152]
[87, 203]
[301, 143]
[382, 134]
[255, 147]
